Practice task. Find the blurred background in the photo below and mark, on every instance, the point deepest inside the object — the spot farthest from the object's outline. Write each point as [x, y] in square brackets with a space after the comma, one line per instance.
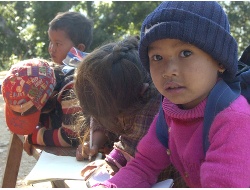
[24, 24]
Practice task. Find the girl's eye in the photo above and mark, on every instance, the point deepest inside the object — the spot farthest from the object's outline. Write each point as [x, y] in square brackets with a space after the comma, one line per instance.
[157, 57]
[186, 53]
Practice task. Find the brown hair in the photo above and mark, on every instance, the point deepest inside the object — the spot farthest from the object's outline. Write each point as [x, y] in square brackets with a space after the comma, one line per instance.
[109, 81]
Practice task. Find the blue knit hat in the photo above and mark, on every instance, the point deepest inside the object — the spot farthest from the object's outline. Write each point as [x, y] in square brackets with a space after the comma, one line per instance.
[203, 24]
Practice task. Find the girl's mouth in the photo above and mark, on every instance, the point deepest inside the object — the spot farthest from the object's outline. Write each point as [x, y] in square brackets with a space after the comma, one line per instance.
[173, 88]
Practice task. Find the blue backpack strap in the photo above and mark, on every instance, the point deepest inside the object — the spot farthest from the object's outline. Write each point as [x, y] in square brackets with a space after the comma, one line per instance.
[244, 78]
[162, 127]
[221, 96]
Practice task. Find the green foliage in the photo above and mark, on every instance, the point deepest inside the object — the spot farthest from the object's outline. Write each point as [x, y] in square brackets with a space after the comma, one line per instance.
[10, 42]
[23, 28]
[113, 21]
[239, 17]
[24, 24]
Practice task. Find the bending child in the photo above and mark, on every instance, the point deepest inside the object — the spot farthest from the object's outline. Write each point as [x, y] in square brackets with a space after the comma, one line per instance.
[26, 89]
[189, 51]
[116, 91]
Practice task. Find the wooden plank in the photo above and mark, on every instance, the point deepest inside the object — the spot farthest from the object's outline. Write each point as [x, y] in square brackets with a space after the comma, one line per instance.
[14, 157]
[12, 162]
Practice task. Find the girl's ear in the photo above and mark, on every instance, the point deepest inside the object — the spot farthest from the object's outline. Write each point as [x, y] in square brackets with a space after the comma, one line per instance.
[144, 88]
[81, 47]
[221, 69]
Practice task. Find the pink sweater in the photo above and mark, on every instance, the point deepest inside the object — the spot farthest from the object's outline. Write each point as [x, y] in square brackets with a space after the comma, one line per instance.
[227, 161]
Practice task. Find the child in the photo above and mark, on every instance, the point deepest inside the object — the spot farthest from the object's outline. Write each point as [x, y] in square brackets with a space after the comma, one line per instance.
[115, 90]
[26, 88]
[70, 34]
[188, 49]
[67, 30]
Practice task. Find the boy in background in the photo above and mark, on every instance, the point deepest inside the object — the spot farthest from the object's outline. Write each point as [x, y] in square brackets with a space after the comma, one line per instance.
[67, 30]
[70, 34]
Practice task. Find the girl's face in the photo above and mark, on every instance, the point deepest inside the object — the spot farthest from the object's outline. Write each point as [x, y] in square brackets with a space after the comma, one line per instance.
[59, 45]
[181, 72]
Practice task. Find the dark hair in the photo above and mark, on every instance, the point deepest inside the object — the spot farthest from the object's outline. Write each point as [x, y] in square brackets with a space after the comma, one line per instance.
[109, 81]
[78, 27]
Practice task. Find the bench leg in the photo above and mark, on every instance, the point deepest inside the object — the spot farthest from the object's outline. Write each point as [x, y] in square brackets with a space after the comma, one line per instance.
[13, 161]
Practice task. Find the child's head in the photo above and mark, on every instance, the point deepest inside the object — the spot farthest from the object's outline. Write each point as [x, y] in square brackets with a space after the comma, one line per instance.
[110, 79]
[67, 30]
[26, 89]
[186, 46]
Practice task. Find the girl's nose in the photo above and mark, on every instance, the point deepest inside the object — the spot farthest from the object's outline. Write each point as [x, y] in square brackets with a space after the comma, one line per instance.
[170, 69]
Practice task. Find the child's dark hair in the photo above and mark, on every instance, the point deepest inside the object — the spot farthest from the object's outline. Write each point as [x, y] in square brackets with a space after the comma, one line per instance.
[110, 79]
[78, 27]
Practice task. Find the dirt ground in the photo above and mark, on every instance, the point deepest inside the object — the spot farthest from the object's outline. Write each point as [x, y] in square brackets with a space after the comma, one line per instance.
[27, 162]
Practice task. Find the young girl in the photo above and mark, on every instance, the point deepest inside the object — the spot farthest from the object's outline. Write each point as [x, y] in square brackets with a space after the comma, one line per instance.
[188, 49]
[116, 91]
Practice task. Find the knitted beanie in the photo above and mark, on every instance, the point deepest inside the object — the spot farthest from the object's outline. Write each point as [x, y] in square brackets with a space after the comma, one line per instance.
[203, 24]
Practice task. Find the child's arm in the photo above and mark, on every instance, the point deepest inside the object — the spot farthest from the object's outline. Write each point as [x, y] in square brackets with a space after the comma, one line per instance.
[58, 126]
[227, 162]
[142, 171]
[48, 137]
[53, 137]
[102, 141]
[99, 140]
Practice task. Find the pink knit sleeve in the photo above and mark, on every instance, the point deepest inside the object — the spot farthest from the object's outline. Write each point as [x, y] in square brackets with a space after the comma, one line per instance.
[227, 162]
[142, 171]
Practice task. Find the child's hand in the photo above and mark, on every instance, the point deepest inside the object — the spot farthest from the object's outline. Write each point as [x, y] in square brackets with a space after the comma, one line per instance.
[89, 169]
[27, 145]
[100, 165]
[92, 167]
[83, 151]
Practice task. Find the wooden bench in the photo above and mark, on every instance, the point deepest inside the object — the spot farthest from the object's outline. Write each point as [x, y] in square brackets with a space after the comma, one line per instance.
[14, 157]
